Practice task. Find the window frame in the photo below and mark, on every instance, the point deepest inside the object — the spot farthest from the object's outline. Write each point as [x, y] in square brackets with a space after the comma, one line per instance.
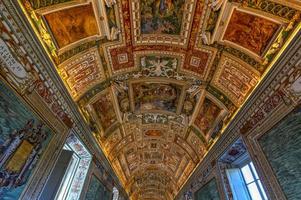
[255, 180]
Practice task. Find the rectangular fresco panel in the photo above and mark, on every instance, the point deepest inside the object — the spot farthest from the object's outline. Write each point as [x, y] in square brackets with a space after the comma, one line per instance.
[156, 96]
[72, 24]
[23, 139]
[161, 16]
[207, 116]
[249, 31]
[208, 191]
[105, 110]
[281, 146]
[97, 190]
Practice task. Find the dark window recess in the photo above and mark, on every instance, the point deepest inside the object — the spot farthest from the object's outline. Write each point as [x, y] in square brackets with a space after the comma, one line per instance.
[56, 176]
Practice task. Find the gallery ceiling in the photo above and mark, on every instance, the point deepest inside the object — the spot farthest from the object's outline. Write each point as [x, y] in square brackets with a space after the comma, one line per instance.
[157, 81]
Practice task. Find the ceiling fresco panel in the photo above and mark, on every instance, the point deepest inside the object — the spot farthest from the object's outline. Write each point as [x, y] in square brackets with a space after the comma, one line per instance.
[72, 24]
[156, 96]
[103, 111]
[208, 116]
[161, 17]
[162, 22]
[250, 31]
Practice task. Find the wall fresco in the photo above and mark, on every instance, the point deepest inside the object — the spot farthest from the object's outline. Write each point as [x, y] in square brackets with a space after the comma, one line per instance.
[97, 190]
[156, 96]
[281, 146]
[249, 31]
[208, 191]
[72, 24]
[23, 139]
[207, 116]
[161, 16]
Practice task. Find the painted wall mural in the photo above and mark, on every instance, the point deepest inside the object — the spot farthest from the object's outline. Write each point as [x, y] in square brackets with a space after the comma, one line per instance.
[97, 190]
[208, 191]
[281, 146]
[207, 116]
[161, 16]
[23, 139]
[250, 31]
[72, 24]
[156, 96]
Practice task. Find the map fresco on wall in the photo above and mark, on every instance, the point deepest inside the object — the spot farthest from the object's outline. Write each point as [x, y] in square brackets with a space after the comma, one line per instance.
[105, 111]
[249, 31]
[207, 116]
[72, 24]
[161, 16]
[208, 191]
[281, 146]
[97, 191]
[23, 138]
[156, 96]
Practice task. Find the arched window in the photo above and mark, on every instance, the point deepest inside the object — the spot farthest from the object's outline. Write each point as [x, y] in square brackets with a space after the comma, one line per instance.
[115, 193]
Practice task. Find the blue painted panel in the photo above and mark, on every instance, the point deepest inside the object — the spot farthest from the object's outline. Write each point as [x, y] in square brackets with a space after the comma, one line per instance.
[208, 192]
[23, 139]
[282, 148]
[97, 191]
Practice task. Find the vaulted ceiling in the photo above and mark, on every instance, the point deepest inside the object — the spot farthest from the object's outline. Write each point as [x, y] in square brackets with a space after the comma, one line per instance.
[158, 80]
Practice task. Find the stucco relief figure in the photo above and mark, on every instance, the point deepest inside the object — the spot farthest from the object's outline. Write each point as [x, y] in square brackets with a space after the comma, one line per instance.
[249, 31]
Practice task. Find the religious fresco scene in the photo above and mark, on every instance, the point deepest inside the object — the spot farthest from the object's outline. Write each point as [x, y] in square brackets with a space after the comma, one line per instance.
[150, 99]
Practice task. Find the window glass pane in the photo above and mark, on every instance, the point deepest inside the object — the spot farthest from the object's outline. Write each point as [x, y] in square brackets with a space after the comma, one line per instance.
[254, 192]
[262, 190]
[247, 174]
[254, 170]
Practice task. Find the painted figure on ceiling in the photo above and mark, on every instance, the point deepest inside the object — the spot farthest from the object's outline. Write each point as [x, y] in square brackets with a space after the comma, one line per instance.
[161, 16]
